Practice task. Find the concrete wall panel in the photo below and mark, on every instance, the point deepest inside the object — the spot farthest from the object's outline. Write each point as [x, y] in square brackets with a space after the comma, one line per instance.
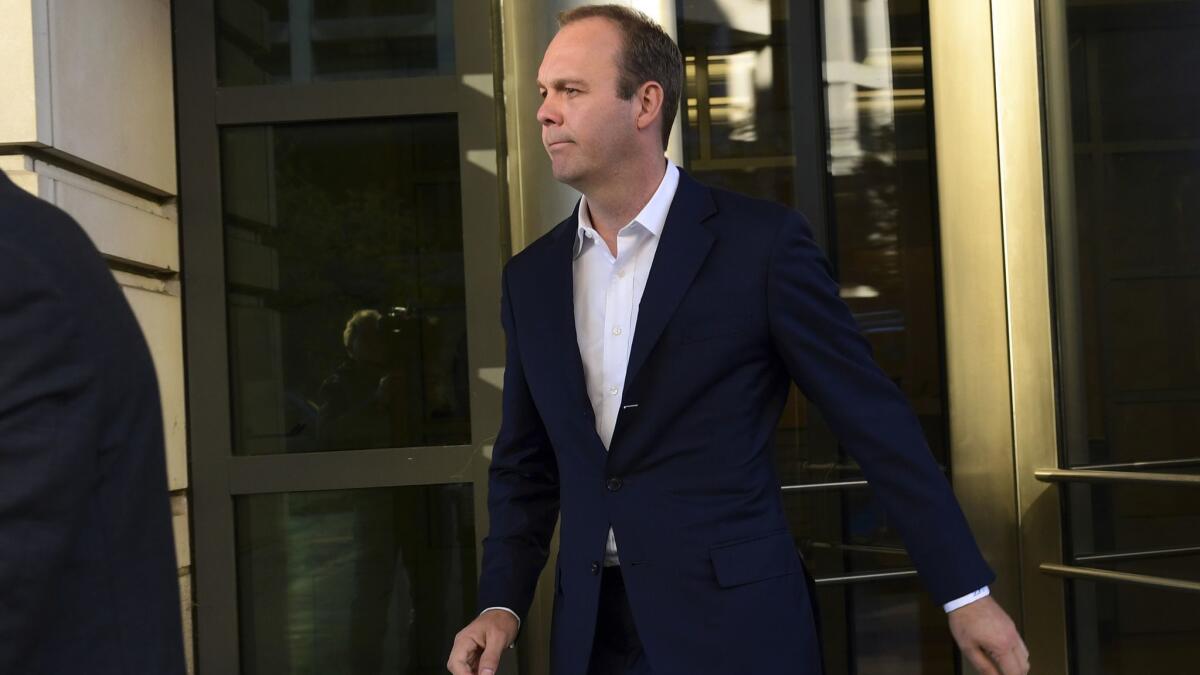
[19, 169]
[159, 313]
[121, 225]
[18, 115]
[111, 86]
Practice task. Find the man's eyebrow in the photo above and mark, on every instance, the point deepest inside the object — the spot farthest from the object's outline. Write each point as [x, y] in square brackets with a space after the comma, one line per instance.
[559, 84]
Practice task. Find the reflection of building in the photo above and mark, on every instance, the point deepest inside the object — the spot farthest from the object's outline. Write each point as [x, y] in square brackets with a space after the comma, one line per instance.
[1015, 235]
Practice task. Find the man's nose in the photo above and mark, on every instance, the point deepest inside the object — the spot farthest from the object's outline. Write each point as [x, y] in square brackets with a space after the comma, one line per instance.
[547, 113]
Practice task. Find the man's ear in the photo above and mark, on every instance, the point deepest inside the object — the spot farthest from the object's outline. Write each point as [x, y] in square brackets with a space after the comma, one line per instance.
[649, 97]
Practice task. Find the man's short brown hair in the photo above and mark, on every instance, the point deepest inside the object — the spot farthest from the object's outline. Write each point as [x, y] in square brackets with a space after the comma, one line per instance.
[648, 54]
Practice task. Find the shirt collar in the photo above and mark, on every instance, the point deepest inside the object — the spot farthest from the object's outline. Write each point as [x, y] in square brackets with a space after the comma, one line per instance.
[652, 217]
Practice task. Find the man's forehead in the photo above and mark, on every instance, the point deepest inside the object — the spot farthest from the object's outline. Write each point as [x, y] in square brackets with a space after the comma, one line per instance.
[571, 55]
[584, 39]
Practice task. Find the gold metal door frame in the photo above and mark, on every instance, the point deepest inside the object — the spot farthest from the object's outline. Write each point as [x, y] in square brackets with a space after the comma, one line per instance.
[996, 276]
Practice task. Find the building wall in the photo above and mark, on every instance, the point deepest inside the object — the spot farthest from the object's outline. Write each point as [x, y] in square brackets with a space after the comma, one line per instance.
[88, 124]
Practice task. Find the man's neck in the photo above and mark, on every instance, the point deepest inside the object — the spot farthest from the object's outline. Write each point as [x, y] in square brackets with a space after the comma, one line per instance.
[614, 204]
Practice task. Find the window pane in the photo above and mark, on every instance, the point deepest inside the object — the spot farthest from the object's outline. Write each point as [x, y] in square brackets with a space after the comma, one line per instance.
[1123, 628]
[1115, 519]
[843, 532]
[740, 130]
[346, 297]
[298, 41]
[354, 581]
[896, 629]
[1137, 200]
[1128, 281]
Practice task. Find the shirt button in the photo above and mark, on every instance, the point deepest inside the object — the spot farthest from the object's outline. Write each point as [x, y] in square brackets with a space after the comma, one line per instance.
[621, 274]
[614, 484]
[616, 330]
[612, 391]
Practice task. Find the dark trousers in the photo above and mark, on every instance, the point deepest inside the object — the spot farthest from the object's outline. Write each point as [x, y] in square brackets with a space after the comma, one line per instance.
[616, 650]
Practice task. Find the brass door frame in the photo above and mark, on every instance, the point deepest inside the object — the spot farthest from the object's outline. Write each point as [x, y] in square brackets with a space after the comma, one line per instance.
[996, 276]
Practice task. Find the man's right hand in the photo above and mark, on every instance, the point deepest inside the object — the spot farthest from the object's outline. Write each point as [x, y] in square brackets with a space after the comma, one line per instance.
[477, 648]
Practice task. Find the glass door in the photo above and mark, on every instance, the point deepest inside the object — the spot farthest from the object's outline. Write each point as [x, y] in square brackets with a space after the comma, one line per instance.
[826, 106]
[342, 233]
[1123, 102]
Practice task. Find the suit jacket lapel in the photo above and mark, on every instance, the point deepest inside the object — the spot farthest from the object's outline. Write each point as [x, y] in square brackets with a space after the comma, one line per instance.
[684, 246]
[560, 309]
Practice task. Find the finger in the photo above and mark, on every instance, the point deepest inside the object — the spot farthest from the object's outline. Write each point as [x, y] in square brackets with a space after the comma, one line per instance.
[980, 660]
[1009, 662]
[489, 663]
[462, 656]
[1022, 656]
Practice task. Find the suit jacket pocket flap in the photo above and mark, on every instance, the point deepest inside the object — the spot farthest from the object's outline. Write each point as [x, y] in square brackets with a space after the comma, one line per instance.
[744, 562]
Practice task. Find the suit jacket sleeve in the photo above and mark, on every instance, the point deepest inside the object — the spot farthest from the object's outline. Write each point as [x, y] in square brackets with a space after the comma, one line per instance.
[47, 451]
[523, 493]
[824, 352]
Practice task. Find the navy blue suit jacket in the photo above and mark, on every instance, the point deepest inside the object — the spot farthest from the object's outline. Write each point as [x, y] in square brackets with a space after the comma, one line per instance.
[88, 582]
[739, 302]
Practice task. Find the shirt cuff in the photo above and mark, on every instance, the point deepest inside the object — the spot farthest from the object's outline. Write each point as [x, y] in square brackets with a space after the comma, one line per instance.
[966, 599]
[505, 609]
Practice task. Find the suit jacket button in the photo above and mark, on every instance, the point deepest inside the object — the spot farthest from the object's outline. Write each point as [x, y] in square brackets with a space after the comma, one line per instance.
[595, 568]
[614, 484]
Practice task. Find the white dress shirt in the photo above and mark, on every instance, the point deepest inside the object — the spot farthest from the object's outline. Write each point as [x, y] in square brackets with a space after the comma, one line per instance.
[608, 289]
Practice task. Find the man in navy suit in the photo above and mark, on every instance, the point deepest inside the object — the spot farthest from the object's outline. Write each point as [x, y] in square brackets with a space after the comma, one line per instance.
[88, 581]
[651, 339]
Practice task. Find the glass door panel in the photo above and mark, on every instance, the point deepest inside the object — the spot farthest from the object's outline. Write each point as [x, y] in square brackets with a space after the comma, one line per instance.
[342, 234]
[1127, 278]
[262, 42]
[869, 191]
[345, 286]
[354, 581]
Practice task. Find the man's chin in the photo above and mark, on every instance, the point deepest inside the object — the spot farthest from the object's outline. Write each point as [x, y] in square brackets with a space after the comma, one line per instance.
[566, 174]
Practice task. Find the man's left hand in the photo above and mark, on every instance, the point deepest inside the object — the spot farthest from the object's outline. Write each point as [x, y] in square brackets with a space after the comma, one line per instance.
[989, 639]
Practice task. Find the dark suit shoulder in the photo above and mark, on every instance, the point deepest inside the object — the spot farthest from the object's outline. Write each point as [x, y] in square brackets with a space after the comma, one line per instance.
[50, 239]
[538, 251]
[752, 216]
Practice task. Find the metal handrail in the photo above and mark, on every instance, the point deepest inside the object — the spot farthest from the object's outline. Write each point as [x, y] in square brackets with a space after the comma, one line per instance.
[1137, 555]
[858, 548]
[865, 576]
[831, 485]
[1146, 464]
[1093, 476]
[1091, 573]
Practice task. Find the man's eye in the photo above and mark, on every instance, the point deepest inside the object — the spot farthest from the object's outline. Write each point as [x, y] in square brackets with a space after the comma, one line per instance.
[542, 93]
[571, 90]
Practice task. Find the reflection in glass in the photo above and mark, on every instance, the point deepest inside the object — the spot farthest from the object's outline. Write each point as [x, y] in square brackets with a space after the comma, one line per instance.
[346, 297]
[1132, 629]
[1127, 274]
[1134, 106]
[1128, 519]
[362, 582]
[896, 628]
[843, 532]
[298, 41]
[741, 126]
